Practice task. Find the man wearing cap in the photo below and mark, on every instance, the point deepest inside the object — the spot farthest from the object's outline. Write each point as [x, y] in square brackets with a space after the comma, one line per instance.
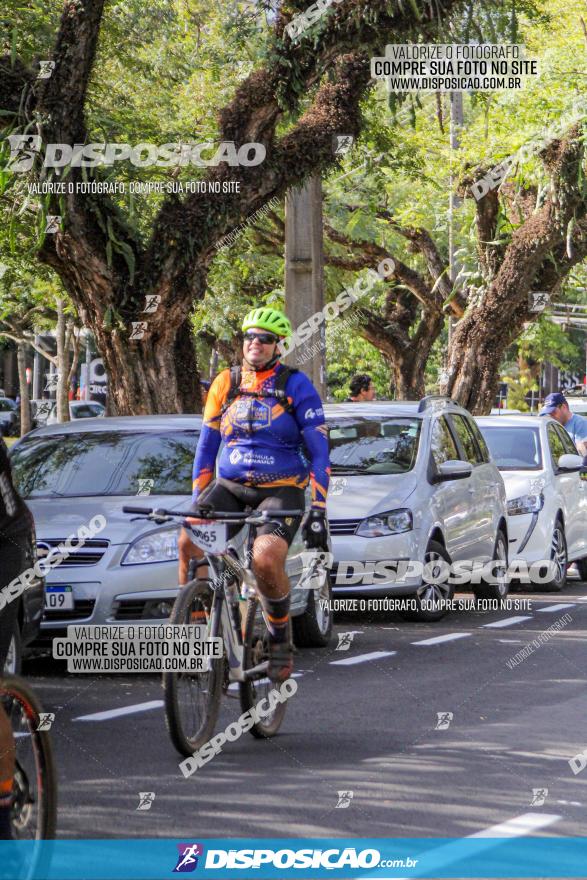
[556, 406]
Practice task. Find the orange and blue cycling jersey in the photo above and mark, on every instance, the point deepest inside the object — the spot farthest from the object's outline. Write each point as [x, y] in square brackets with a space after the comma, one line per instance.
[264, 443]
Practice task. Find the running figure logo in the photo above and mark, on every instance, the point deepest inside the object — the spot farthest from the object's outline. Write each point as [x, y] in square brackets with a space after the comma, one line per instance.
[345, 640]
[188, 857]
[46, 719]
[539, 796]
[444, 719]
[146, 799]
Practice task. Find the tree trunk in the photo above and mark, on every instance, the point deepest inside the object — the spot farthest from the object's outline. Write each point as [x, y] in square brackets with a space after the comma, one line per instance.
[538, 257]
[25, 406]
[408, 378]
[156, 373]
[478, 353]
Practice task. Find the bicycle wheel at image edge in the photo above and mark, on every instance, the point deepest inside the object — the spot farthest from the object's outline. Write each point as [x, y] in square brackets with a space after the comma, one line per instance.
[192, 700]
[34, 786]
[256, 639]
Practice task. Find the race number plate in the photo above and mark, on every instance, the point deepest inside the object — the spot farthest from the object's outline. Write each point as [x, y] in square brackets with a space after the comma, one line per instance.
[210, 537]
[59, 598]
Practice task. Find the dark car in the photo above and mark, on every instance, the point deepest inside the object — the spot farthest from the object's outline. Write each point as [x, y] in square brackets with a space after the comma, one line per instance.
[20, 618]
[9, 418]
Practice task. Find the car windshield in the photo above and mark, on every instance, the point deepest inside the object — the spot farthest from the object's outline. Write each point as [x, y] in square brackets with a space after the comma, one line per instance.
[105, 463]
[7, 406]
[514, 448]
[373, 446]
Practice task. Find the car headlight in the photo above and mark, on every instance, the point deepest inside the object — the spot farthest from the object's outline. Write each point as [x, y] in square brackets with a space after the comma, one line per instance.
[391, 522]
[158, 546]
[526, 504]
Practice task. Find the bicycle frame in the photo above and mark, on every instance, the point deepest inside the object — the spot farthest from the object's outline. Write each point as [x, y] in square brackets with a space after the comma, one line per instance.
[223, 610]
[225, 568]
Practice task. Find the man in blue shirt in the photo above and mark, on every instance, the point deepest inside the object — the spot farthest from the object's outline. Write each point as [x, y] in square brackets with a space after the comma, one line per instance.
[556, 406]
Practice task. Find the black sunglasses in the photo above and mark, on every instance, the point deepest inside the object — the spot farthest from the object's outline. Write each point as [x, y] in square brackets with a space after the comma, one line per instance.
[264, 338]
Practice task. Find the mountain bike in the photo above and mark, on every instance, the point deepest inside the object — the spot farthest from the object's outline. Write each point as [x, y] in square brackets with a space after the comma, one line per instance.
[228, 605]
[34, 809]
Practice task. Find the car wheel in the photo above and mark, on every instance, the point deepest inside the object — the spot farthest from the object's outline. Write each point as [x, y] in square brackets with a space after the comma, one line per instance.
[429, 591]
[559, 556]
[498, 589]
[313, 628]
[13, 665]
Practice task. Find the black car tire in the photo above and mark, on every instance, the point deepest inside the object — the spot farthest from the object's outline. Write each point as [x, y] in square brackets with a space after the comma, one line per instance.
[558, 548]
[313, 628]
[444, 591]
[13, 664]
[495, 591]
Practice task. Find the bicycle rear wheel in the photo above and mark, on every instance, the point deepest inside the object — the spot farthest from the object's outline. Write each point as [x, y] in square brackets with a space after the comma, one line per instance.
[253, 691]
[34, 811]
[192, 699]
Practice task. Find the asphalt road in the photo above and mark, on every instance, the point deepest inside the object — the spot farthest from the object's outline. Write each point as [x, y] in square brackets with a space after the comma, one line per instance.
[364, 721]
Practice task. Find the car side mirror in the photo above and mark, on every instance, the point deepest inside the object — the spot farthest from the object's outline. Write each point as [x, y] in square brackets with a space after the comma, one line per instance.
[455, 469]
[570, 462]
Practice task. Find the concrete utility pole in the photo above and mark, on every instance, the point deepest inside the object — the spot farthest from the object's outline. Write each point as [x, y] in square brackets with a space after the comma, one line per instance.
[456, 124]
[304, 276]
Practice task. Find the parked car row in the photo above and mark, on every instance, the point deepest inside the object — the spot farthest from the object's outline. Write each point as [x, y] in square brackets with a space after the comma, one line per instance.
[44, 412]
[419, 482]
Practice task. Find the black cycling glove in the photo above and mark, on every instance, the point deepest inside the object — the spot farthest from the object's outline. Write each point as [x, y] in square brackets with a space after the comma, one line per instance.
[315, 529]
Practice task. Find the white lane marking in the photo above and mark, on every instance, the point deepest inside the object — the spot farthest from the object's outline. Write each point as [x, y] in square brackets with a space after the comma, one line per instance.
[362, 658]
[519, 826]
[511, 641]
[118, 713]
[437, 640]
[509, 621]
[234, 685]
[553, 608]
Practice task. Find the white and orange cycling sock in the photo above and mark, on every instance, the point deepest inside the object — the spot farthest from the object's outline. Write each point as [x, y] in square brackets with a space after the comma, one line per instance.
[276, 614]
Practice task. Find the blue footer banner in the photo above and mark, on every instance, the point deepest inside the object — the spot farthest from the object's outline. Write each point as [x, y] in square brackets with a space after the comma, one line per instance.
[282, 858]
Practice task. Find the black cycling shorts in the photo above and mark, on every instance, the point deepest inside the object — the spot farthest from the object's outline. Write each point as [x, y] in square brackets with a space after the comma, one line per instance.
[12, 564]
[225, 495]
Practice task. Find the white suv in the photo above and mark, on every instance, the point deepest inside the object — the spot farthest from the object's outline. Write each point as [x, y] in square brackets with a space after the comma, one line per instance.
[547, 497]
[412, 482]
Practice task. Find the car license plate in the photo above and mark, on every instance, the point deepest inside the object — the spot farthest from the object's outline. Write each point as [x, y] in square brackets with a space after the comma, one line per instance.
[59, 598]
[210, 536]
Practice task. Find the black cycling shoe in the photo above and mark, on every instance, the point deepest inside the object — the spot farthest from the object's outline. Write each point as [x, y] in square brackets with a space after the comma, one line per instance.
[280, 661]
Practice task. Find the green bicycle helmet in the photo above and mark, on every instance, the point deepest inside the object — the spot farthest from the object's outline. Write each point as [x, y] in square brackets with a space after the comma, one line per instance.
[268, 319]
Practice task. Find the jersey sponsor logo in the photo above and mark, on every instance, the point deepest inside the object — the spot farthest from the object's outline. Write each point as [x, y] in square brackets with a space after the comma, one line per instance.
[314, 413]
[250, 411]
[235, 456]
[257, 458]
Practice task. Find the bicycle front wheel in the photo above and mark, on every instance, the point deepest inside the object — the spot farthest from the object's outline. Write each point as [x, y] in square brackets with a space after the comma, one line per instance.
[34, 809]
[192, 699]
[252, 691]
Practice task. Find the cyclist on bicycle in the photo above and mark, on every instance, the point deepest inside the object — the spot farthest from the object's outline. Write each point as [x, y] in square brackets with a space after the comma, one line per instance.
[15, 519]
[271, 420]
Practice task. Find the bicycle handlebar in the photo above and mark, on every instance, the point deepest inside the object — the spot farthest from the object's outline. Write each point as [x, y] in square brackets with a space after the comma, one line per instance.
[208, 514]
